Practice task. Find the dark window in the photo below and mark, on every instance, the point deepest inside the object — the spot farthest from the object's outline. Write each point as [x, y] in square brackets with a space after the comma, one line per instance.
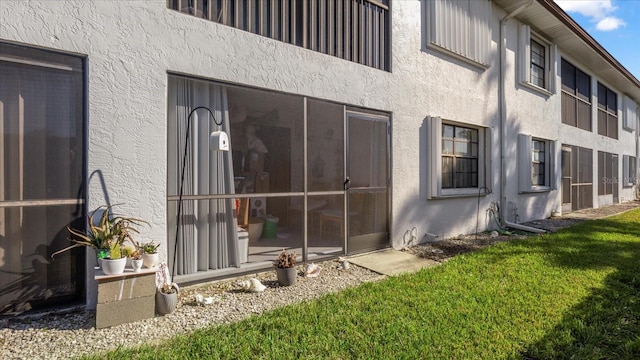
[459, 157]
[538, 64]
[607, 172]
[576, 97]
[538, 163]
[607, 112]
[355, 30]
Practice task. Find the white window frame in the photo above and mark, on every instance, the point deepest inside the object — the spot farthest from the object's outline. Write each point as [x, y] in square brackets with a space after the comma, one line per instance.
[525, 35]
[525, 161]
[456, 33]
[629, 170]
[434, 134]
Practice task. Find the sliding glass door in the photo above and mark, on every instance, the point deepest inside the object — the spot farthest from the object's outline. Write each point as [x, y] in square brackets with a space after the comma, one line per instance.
[41, 177]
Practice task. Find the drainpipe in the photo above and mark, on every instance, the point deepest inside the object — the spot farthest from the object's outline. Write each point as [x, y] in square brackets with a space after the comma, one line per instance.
[502, 105]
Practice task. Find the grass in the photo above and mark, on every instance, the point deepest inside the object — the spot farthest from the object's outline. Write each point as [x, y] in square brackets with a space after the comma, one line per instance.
[573, 294]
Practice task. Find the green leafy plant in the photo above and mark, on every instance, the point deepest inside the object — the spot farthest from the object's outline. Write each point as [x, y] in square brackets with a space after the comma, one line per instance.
[286, 260]
[109, 232]
[148, 247]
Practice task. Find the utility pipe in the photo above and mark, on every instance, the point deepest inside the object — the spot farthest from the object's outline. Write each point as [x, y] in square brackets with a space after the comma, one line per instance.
[502, 103]
[524, 228]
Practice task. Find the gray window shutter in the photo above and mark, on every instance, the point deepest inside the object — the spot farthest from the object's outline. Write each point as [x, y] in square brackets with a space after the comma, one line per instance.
[434, 146]
[626, 178]
[524, 162]
[524, 53]
[552, 165]
[628, 114]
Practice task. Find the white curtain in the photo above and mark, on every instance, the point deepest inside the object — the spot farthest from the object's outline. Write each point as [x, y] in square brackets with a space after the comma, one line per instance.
[208, 237]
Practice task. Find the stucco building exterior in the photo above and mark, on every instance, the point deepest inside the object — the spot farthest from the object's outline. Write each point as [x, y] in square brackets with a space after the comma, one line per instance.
[353, 125]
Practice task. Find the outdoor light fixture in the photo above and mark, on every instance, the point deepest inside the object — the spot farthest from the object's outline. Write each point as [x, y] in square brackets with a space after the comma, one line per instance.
[219, 141]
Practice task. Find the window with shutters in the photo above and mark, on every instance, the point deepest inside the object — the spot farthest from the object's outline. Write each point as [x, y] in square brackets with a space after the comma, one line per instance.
[535, 164]
[629, 171]
[576, 97]
[459, 159]
[536, 61]
[607, 112]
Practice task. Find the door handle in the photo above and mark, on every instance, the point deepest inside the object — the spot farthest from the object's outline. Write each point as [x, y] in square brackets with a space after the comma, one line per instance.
[347, 183]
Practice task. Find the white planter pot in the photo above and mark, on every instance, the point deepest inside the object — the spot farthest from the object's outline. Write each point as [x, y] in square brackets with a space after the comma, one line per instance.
[113, 267]
[150, 260]
[136, 264]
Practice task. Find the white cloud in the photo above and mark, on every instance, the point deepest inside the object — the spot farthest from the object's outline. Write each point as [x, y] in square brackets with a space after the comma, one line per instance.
[609, 23]
[599, 12]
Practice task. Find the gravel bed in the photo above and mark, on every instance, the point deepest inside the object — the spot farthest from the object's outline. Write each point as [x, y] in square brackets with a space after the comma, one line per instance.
[62, 336]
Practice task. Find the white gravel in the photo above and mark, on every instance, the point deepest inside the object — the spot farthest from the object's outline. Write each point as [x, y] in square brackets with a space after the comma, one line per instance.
[63, 336]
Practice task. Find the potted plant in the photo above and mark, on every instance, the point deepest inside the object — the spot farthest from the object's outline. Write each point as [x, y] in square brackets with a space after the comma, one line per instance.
[136, 260]
[150, 256]
[127, 251]
[106, 235]
[167, 292]
[286, 268]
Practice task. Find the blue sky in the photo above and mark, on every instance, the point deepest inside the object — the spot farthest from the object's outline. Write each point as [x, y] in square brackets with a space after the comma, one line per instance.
[615, 24]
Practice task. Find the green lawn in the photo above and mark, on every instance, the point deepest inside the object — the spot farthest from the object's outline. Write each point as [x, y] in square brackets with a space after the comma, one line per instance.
[572, 294]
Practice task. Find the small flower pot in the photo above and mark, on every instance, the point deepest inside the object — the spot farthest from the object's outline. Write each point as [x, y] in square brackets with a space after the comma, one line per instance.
[166, 303]
[286, 276]
[113, 267]
[150, 260]
[136, 265]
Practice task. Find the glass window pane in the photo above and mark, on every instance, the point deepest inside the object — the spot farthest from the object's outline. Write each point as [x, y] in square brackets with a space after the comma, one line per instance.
[266, 137]
[612, 101]
[29, 275]
[583, 83]
[602, 96]
[568, 77]
[447, 147]
[367, 163]
[43, 146]
[463, 133]
[325, 145]
[447, 172]
[462, 148]
[447, 131]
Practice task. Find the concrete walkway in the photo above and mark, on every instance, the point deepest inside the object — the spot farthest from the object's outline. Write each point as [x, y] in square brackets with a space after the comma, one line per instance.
[392, 262]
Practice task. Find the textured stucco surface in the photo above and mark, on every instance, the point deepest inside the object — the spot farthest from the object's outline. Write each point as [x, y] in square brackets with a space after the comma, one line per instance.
[132, 45]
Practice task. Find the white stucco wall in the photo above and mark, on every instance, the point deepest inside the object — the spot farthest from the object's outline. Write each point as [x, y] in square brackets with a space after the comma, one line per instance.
[131, 45]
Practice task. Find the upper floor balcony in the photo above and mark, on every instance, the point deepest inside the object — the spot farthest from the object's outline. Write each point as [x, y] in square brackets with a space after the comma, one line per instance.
[354, 30]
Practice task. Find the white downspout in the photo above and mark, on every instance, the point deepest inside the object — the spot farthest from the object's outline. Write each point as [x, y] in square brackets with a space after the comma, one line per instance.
[502, 105]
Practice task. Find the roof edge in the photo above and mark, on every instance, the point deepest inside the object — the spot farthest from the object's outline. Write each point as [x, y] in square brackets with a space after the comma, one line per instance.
[582, 34]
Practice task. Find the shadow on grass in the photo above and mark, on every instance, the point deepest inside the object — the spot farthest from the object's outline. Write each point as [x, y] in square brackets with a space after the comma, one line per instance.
[605, 325]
